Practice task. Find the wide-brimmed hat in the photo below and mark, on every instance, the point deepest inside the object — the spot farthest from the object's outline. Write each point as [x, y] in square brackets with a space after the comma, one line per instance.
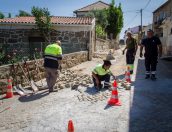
[129, 32]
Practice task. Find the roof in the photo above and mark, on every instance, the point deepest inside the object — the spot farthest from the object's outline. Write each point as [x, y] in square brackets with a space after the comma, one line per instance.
[54, 20]
[135, 30]
[167, 2]
[95, 6]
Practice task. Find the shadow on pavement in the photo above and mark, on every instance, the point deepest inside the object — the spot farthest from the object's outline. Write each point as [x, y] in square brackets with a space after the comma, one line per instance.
[34, 96]
[91, 90]
[151, 105]
[107, 107]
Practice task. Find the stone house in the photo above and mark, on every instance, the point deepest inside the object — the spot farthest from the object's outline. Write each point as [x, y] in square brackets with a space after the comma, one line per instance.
[167, 36]
[159, 15]
[21, 34]
[95, 6]
[162, 26]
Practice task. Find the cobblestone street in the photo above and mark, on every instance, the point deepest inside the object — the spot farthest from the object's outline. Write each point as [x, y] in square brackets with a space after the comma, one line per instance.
[51, 112]
[146, 108]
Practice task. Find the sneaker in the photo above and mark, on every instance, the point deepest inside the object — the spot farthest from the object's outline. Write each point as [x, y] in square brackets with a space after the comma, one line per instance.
[147, 76]
[153, 77]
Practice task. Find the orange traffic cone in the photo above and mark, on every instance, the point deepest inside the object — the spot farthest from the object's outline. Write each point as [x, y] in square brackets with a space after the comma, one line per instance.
[127, 75]
[9, 89]
[70, 126]
[114, 98]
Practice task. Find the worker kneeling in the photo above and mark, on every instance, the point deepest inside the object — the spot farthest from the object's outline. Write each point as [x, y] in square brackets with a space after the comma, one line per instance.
[102, 73]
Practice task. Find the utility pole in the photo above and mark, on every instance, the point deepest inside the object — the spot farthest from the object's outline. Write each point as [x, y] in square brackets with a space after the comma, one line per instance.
[141, 12]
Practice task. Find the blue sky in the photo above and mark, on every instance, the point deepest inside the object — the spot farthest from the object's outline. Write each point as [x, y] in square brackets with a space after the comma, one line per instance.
[66, 8]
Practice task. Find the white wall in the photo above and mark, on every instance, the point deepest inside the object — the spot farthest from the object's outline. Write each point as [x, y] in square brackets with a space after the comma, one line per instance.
[167, 39]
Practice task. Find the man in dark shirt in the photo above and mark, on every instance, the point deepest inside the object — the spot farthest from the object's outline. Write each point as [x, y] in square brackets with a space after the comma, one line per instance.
[153, 49]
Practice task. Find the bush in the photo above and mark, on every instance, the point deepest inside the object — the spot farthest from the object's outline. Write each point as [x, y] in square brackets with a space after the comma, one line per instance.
[100, 32]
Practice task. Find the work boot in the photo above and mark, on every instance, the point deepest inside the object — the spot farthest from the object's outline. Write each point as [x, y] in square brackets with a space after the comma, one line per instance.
[147, 76]
[153, 77]
[98, 88]
[55, 90]
[107, 86]
[131, 72]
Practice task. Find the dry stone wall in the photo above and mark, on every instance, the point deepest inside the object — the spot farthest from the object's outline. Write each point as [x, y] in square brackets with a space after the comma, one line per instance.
[102, 44]
[69, 60]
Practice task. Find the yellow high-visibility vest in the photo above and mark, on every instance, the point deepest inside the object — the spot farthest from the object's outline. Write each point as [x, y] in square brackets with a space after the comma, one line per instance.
[53, 50]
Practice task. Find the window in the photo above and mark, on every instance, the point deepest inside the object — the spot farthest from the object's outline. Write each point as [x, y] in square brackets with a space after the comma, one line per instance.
[171, 31]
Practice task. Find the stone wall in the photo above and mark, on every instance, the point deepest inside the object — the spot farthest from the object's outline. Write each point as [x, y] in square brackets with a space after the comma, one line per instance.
[102, 44]
[69, 60]
[18, 39]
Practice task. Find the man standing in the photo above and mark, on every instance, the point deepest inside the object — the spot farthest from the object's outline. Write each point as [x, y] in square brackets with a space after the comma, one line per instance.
[102, 73]
[153, 46]
[131, 46]
[52, 62]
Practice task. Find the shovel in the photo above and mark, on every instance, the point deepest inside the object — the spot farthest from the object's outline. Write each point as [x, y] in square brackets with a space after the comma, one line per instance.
[14, 75]
[31, 82]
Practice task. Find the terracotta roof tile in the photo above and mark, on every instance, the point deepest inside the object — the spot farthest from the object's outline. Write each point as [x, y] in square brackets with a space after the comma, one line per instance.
[95, 6]
[54, 20]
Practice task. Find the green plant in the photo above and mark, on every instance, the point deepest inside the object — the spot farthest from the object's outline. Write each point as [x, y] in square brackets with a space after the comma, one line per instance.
[100, 32]
[101, 17]
[23, 13]
[43, 21]
[9, 15]
[115, 19]
[1, 15]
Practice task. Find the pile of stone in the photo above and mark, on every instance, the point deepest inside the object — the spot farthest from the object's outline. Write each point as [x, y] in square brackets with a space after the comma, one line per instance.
[124, 85]
[94, 98]
[71, 79]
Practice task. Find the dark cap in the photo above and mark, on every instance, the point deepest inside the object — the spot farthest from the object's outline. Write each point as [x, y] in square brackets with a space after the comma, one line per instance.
[150, 30]
[107, 62]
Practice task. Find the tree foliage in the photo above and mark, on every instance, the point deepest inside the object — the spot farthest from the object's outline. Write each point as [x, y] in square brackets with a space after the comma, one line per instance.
[23, 13]
[43, 21]
[101, 17]
[100, 32]
[9, 15]
[115, 19]
[110, 20]
[101, 21]
[1, 15]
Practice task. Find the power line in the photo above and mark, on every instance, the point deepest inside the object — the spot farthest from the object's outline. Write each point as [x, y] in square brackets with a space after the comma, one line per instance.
[131, 11]
[147, 4]
[131, 20]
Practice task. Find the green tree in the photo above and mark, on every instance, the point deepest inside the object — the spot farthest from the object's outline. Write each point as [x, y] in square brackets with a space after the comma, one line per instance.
[115, 20]
[101, 21]
[9, 15]
[1, 15]
[101, 17]
[100, 32]
[23, 13]
[43, 21]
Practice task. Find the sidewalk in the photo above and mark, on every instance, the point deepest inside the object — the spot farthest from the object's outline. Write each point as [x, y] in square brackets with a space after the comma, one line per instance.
[151, 101]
